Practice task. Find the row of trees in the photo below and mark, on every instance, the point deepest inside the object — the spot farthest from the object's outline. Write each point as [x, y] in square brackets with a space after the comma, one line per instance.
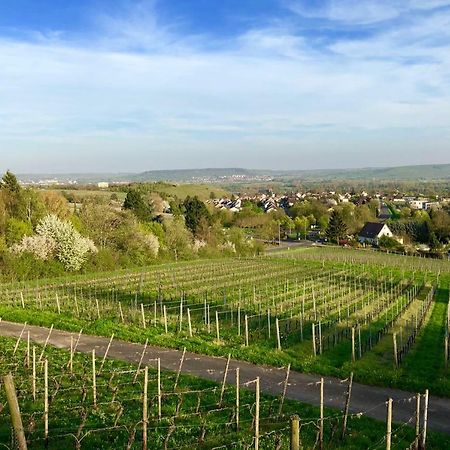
[41, 234]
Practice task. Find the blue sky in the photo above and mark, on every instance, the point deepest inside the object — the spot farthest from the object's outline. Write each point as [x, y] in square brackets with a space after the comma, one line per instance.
[115, 85]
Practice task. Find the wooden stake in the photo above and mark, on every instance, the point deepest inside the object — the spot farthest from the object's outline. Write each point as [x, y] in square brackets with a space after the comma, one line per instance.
[46, 342]
[98, 308]
[27, 360]
[140, 361]
[165, 319]
[239, 320]
[320, 337]
[217, 327]
[181, 313]
[285, 385]
[417, 440]
[277, 328]
[314, 339]
[46, 401]
[257, 415]
[19, 338]
[295, 433]
[189, 322]
[106, 352]
[321, 415]
[33, 380]
[394, 337]
[237, 398]
[145, 410]
[94, 380]
[57, 304]
[121, 313]
[225, 374]
[425, 420]
[143, 316]
[159, 389]
[389, 425]
[179, 368]
[347, 405]
[246, 330]
[353, 345]
[16, 418]
[71, 355]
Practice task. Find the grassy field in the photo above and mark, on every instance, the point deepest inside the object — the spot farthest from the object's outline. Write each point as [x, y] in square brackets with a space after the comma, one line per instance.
[181, 191]
[224, 298]
[191, 414]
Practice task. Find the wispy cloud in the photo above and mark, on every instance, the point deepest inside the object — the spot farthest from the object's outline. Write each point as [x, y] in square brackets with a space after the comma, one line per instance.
[141, 86]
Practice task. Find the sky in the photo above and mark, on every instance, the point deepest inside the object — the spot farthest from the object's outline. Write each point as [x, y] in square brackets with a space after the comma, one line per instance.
[134, 85]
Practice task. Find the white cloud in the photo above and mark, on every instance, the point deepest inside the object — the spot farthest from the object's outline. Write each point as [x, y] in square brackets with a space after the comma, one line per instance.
[136, 90]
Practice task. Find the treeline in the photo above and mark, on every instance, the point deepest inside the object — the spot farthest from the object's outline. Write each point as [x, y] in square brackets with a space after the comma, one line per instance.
[43, 235]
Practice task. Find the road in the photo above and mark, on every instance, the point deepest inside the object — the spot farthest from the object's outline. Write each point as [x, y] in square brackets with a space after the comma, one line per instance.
[369, 400]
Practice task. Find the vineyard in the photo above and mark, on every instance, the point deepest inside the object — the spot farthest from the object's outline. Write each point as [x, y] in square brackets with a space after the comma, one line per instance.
[317, 314]
[72, 400]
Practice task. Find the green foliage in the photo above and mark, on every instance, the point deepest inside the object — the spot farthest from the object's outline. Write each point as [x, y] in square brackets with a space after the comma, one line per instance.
[16, 229]
[337, 228]
[195, 212]
[390, 243]
[9, 183]
[135, 202]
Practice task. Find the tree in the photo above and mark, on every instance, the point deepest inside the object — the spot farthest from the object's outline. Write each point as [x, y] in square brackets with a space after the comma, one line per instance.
[195, 212]
[58, 238]
[136, 203]
[9, 182]
[336, 227]
[301, 225]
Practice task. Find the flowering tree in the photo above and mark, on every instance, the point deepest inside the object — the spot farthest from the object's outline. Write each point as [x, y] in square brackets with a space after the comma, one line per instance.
[57, 238]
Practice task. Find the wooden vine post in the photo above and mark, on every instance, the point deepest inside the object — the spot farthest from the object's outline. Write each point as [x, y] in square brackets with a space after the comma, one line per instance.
[425, 420]
[417, 440]
[353, 345]
[246, 330]
[179, 368]
[237, 399]
[285, 385]
[33, 379]
[257, 413]
[159, 389]
[225, 374]
[394, 338]
[314, 339]
[217, 327]
[106, 352]
[277, 327]
[295, 433]
[14, 409]
[347, 405]
[389, 425]
[165, 319]
[321, 416]
[143, 316]
[189, 322]
[94, 380]
[145, 410]
[46, 401]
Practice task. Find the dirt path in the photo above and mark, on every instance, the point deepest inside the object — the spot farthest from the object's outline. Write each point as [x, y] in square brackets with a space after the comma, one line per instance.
[303, 387]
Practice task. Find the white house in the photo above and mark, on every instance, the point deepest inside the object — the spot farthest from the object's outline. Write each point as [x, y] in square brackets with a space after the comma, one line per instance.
[373, 231]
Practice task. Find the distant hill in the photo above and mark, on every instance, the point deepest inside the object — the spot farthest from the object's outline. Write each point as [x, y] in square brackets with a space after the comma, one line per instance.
[430, 172]
[403, 173]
